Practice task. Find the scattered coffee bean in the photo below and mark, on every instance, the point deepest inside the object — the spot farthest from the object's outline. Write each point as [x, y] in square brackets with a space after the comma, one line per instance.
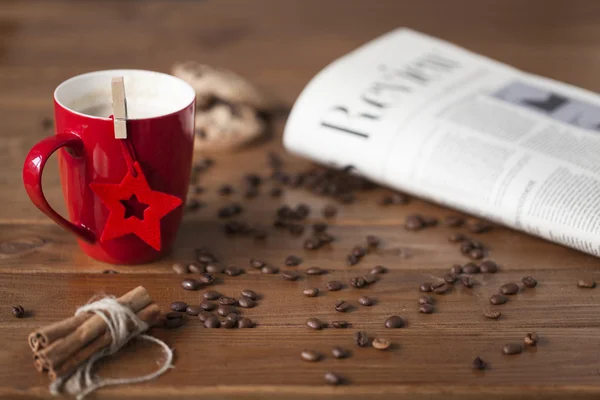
[293, 261]
[492, 314]
[454, 221]
[311, 292]
[488, 267]
[339, 353]
[251, 294]
[18, 311]
[173, 315]
[467, 281]
[230, 210]
[512, 348]
[228, 324]
[471, 268]
[206, 278]
[358, 251]
[342, 306]
[233, 271]
[450, 278]
[207, 305]
[456, 238]
[531, 339]
[426, 308]
[214, 268]
[373, 241]
[394, 322]
[429, 221]
[378, 269]
[312, 243]
[192, 204]
[224, 310]
[315, 271]
[456, 269]
[529, 282]
[227, 301]
[250, 193]
[425, 287]
[509, 288]
[180, 268]
[311, 356]
[414, 223]
[193, 310]
[479, 364]
[357, 282]
[276, 192]
[361, 339]
[329, 211]
[426, 299]
[173, 323]
[246, 302]
[477, 245]
[479, 227]
[366, 301]
[339, 324]
[319, 227]
[476, 254]
[212, 322]
[205, 256]
[232, 317]
[381, 344]
[190, 284]
[254, 263]
[225, 190]
[586, 283]
[290, 275]
[497, 299]
[314, 323]
[331, 378]
[324, 238]
[352, 260]
[369, 279]
[195, 268]
[178, 306]
[245, 323]
[296, 229]
[442, 288]
[204, 315]
[269, 269]
[211, 295]
[466, 247]
[334, 286]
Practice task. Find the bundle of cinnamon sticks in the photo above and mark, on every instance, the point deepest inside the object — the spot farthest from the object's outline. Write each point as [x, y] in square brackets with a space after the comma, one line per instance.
[60, 348]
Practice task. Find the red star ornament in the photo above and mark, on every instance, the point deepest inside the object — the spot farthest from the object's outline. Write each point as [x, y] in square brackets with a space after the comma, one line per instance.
[122, 220]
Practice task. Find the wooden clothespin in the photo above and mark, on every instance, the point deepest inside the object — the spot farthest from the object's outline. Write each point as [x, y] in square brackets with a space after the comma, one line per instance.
[119, 104]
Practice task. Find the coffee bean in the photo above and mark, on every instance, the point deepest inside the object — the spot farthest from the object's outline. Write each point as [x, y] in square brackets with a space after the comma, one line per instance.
[394, 322]
[324, 238]
[214, 268]
[531, 339]
[381, 344]
[193, 310]
[180, 268]
[290, 275]
[312, 243]
[339, 324]
[311, 356]
[293, 261]
[227, 301]
[366, 301]
[232, 317]
[224, 310]
[314, 323]
[488, 267]
[254, 263]
[245, 323]
[315, 271]
[204, 315]
[358, 251]
[334, 286]
[529, 282]
[233, 271]
[586, 283]
[251, 294]
[512, 348]
[373, 241]
[296, 229]
[352, 259]
[369, 279]
[477, 245]
[442, 288]
[178, 306]
[509, 288]
[450, 278]
[329, 211]
[339, 353]
[212, 322]
[206, 278]
[426, 308]
[361, 339]
[342, 306]
[429, 221]
[471, 268]
[192, 204]
[466, 247]
[456, 238]
[454, 221]
[18, 311]
[492, 314]
[173, 315]
[414, 223]
[190, 284]
[476, 254]
[250, 193]
[425, 287]
[357, 282]
[269, 269]
[479, 364]
[311, 292]
[467, 281]
[426, 299]
[195, 268]
[204, 255]
[378, 269]
[246, 302]
[225, 190]
[276, 192]
[498, 299]
[479, 227]
[207, 305]
[456, 269]
[331, 378]
[319, 227]
[211, 295]
[173, 323]
[228, 324]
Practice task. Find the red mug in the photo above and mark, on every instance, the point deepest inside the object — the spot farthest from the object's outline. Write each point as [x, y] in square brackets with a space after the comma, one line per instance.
[160, 130]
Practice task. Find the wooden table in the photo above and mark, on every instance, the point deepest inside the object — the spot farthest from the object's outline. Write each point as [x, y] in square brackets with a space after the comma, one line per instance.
[281, 45]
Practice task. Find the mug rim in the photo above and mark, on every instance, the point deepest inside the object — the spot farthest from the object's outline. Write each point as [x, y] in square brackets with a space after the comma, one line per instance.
[116, 72]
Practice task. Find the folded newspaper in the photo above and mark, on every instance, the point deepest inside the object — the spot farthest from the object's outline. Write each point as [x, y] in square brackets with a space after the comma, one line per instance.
[427, 117]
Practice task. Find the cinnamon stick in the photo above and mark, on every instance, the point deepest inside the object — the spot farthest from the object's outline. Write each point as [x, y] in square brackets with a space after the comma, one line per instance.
[149, 315]
[62, 349]
[48, 334]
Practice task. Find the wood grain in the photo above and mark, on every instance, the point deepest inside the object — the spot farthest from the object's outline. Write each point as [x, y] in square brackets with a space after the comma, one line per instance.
[281, 45]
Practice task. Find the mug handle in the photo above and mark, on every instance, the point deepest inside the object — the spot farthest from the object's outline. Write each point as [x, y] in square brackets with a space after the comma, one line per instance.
[32, 179]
